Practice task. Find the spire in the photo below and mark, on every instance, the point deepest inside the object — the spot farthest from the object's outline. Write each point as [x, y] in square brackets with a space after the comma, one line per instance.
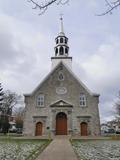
[61, 47]
[61, 26]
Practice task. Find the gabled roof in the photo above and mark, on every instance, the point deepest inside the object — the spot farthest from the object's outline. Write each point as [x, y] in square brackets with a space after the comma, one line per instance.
[61, 103]
[71, 72]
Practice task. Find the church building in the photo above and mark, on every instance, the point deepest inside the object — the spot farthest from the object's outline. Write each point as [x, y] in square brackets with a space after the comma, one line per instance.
[61, 103]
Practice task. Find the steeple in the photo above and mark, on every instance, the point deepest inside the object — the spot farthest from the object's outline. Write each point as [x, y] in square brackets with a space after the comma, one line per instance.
[61, 48]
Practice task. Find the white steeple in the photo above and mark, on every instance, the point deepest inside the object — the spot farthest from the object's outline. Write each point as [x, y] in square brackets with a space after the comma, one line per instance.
[61, 48]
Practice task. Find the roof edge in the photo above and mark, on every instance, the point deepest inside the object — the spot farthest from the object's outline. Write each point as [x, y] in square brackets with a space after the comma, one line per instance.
[44, 79]
[79, 81]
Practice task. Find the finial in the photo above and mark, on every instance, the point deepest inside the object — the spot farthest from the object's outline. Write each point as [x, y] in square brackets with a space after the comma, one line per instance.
[61, 16]
[61, 19]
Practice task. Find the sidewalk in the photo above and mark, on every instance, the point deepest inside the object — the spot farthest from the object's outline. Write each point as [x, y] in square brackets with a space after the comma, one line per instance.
[59, 149]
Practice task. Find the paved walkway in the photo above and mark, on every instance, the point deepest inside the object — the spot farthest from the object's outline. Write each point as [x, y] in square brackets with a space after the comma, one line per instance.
[59, 149]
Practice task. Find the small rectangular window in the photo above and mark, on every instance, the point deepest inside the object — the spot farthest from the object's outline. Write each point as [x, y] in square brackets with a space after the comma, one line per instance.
[82, 100]
[40, 100]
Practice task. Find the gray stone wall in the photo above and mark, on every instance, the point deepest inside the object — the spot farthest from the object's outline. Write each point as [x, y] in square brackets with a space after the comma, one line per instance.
[75, 115]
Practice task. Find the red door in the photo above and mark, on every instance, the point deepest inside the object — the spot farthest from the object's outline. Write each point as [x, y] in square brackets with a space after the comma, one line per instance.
[38, 131]
[84, 127]
[61, 124]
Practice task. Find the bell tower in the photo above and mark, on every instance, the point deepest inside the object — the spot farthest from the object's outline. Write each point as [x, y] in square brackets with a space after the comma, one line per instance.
[61, 48]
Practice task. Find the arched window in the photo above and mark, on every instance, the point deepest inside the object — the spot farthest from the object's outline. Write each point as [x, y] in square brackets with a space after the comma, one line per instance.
[65, 41]
[82, 100]
[66, 50]
[57, 41]
[40, 100]
[61, 50]
[61, 40]
[56, 51]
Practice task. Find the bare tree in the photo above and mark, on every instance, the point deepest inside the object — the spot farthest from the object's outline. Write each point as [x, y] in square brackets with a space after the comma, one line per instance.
[10, 99]
[42, 6]
[19, 116]
[117, 105]
[1, 96]
[1, 103]
[111, 6]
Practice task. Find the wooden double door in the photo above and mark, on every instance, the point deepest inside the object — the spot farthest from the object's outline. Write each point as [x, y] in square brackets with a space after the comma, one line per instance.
[38, 130]
[61, 124]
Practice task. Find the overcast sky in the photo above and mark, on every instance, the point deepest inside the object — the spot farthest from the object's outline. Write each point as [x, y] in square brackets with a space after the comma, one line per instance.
[27, 44]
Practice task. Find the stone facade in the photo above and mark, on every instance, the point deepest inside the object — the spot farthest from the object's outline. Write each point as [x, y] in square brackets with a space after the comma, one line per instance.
[57, 100]
[61, 103]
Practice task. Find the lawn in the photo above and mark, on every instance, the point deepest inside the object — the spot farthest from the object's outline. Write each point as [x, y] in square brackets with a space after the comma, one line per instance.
[16, 149]
[97, 149]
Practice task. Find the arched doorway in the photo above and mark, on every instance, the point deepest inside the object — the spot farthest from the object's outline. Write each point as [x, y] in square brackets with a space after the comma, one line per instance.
[84, 128]
[61, 124]
[38, 130]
